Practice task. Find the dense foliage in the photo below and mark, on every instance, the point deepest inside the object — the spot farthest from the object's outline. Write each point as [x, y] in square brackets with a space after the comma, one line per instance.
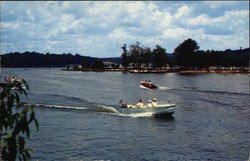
[185, 52]
[125, 57]
[140, 56]
[97, 64]
[15, 118]
[159, 57]
[34, 59]
[188, 55]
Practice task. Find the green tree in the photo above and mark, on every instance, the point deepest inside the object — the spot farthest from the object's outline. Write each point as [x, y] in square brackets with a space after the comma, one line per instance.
[146, 56]
[85, 64]
[160, 57]
[136, 54]
[185, 52]
[15, 118]
[97, 64]
[125, 57]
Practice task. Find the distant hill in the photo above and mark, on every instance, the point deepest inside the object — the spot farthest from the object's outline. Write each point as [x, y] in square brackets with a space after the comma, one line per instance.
[34, 59]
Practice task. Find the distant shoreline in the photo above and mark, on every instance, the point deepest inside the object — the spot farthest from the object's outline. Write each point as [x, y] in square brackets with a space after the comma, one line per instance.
[163, 71]
[183, 72]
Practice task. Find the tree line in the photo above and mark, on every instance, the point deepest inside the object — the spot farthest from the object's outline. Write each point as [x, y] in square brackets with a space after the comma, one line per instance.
[136, 56]
[35, 59]
[139, 56]
[187, 55]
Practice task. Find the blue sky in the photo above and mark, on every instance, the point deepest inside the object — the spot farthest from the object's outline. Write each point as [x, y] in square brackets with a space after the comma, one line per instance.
[99, 28]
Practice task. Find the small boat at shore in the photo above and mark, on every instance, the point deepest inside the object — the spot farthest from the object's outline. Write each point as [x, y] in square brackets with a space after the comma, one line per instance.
[148, 84]
[12, 80]
[157, 110]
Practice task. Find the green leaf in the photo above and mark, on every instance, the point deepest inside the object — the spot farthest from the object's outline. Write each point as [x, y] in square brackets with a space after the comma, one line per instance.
[14, 125]
[36, 123]
[17, 98]
[25, 84]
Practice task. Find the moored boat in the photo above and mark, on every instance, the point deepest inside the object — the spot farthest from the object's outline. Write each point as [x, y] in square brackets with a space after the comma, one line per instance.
[17, 80]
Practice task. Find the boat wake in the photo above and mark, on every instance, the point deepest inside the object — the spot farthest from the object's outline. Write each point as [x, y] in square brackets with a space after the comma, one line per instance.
[97, 108]
[159, 88]
[74, 103]
[61, 107]
[144, 87]
[107, 109]
[114, 111]
[164, 88]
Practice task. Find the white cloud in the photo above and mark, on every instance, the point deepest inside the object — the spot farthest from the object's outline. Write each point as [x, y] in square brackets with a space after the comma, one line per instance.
[183, 11]
[100, 28]
[202, 20]
[9, 25]
[229, 17]
[134, 8]
[219, 4]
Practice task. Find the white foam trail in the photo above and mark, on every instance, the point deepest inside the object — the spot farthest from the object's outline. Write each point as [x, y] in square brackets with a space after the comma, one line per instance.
[101, 108]
[59, 106]
[159, 87]
[114, 111]
[164, 88]
[108, 108]
[144, 87]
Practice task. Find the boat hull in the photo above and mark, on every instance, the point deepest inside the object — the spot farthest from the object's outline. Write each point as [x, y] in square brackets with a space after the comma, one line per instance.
[148, 85]
[163, 110]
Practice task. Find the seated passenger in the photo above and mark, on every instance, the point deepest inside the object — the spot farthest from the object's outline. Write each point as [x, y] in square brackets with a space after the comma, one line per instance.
[123, 105]
[154, 103]
[140, 103]
[149, 103]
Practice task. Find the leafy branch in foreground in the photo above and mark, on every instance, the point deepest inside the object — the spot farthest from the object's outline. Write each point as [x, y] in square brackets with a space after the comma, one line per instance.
[15, 118]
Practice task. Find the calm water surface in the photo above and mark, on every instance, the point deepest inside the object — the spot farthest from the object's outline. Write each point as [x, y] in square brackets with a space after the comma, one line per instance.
[79, 118]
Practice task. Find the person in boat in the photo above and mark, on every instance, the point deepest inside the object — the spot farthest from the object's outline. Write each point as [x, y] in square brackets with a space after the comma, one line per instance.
[9, 79]
[140, 103]
[123, 105]
[154, 103]
[149, 103]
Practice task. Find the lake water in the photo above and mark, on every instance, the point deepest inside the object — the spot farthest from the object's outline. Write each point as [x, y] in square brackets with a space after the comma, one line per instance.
[79, 118]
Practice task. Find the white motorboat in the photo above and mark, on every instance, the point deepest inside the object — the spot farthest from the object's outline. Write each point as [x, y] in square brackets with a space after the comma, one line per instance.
[159, 109]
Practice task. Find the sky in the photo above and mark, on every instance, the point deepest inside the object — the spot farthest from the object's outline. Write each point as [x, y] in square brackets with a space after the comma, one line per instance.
[100, 28]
